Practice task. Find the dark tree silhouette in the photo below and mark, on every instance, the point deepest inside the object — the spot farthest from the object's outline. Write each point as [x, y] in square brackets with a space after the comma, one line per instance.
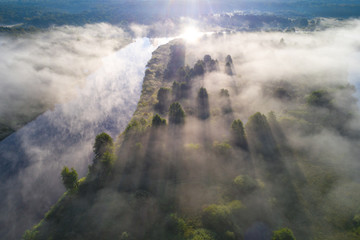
[157, 121]
[103, 142]
[176, 114]
[203, 104]
[199, 68]
[163, 97]
[177, 60]
[258, 130]
[238, 134]
[229, 66]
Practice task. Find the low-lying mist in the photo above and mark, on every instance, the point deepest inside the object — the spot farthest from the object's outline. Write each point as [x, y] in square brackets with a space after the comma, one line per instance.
[42, 69]
[272, 71]
[91, 86]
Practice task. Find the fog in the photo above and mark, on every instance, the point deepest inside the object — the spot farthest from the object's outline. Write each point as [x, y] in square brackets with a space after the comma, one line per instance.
[300, 62]
[91, 86]
[41, 69]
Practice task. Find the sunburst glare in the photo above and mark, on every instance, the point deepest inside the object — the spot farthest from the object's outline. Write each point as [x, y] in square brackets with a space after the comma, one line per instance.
[191, 34]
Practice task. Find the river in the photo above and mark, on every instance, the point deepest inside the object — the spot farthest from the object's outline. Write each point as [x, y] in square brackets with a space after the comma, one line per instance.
[32, 158]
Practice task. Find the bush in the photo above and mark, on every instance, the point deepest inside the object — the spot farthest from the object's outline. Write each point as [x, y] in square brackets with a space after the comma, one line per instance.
[244, 184]
[157, 121]
[218, 217]
[203, 234]
[283, 234]
[222, 148]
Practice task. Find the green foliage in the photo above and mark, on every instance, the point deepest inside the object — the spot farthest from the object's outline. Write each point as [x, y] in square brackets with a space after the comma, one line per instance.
[244, 184]
[176, 225]
[259, 132]
[320, 98]
[135, 126]
[356, 220]
[222, 148]
[230, 235]
[124, 236]
[283, 234]
[69, 178]
[30, 235]
[158, 121]
[102, 144]
[176, 114]
[202, 234]
[218, 217]
[203, 104]
[179, 90]
[238, 134]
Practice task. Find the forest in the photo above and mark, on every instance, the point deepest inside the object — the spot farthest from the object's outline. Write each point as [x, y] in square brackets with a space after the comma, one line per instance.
[206, 157]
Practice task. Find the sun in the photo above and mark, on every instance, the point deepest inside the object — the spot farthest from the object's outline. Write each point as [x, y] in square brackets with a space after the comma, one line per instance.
[191, 34]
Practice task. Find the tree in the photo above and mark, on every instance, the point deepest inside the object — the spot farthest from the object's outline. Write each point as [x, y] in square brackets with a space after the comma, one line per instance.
[163, 97]
[238, 134]
[320, 98]
[203, 104]
[283, 234]
[103, 142]
[69, 178]
[228, 69]
[228, 59]
[199, 68]
[176, 114]
[259, 132]
[224, 93]
[157, 121]
[210, 64]
[229, 66]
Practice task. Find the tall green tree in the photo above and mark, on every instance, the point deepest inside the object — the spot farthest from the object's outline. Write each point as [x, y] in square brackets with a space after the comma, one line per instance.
[176, 114]
[238, 134]
[259, 133]
[69, 178]
[203, 104]
[103, 143]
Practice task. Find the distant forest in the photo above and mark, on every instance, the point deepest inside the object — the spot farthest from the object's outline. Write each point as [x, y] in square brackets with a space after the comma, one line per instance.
[280, 14]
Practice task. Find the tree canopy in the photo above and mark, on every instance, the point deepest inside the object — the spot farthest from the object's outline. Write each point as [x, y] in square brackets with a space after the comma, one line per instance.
[283, 234]
[69, 178]
[176, 114]
[102, 143]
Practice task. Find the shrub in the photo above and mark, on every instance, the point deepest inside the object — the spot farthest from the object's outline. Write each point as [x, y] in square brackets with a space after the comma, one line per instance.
[283, 234]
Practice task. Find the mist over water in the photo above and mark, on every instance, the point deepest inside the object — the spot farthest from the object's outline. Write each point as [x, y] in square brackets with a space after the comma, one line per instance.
[33, 157]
